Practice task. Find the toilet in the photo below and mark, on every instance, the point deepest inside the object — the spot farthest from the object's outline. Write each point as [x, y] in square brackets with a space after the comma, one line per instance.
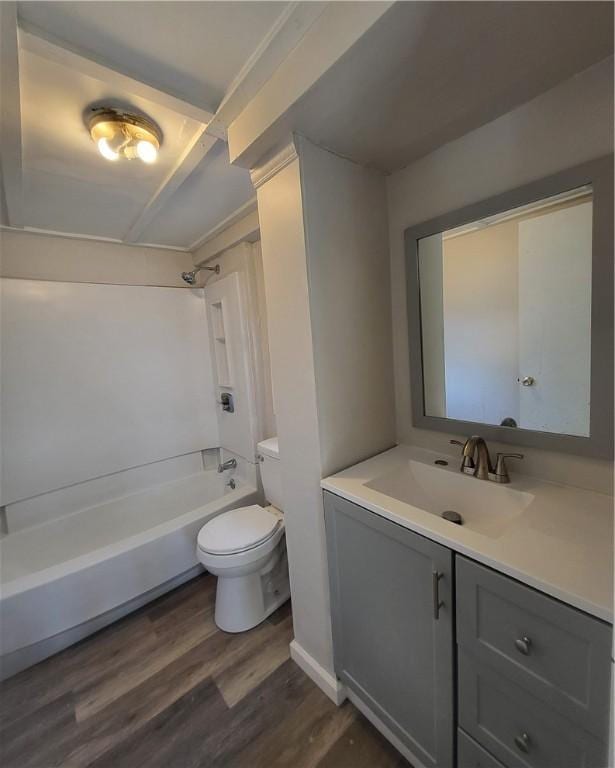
[246, 549]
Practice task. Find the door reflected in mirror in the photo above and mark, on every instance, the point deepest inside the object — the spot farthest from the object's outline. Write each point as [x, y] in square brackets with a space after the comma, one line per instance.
[506, 317]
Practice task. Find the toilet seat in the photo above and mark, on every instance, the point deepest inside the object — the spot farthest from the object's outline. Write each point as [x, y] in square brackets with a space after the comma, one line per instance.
[239, 530]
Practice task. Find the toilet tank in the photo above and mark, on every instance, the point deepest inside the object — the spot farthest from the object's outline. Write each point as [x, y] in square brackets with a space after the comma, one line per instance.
[271, 476]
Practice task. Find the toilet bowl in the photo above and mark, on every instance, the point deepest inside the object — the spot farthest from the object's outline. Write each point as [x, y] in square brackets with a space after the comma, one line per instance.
[246, 549]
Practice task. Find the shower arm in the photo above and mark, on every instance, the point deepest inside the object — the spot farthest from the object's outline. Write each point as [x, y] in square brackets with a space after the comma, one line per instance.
[190, 277]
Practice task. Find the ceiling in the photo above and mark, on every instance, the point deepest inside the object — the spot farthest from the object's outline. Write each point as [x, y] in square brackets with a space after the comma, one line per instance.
[174, 61]
[426, 73]
[67, 183]
[380, 83]
[194, 49]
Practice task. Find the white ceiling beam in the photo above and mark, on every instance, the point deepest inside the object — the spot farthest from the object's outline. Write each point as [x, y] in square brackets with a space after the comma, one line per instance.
[240, 221]
[267, 119]
[195, 152]
[289, 28]
[10, 115]
[35, 41]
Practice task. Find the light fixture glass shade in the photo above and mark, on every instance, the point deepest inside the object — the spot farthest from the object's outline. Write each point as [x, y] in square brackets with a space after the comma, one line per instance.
[106, 151]
[147, 151]
[124, 135]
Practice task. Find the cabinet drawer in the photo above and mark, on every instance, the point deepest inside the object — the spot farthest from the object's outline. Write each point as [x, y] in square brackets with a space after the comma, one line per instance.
[472, 755]
[555, 652]
[518, 729]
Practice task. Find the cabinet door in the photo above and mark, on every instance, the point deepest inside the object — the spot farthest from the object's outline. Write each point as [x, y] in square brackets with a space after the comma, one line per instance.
[391, 594]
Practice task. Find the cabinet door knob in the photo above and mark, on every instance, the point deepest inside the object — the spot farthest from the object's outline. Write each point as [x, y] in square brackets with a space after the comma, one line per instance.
[523, 743]
[523, 645]
[527, 381]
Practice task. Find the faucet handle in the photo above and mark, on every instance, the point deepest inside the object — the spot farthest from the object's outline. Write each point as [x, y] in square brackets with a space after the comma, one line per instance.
[509, 456]
[456, 442]
[501, 471]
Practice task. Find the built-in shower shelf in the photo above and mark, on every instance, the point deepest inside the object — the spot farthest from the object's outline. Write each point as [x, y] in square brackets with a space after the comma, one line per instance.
[223, 366]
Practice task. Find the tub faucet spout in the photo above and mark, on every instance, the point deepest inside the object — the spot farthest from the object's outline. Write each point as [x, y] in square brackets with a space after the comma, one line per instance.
[228, 464]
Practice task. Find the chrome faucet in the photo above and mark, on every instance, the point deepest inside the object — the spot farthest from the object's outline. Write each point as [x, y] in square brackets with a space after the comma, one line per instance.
[477, 462]
[228, 464]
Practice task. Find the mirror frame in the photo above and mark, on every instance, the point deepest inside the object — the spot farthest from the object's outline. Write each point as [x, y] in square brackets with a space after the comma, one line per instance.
[598, 173]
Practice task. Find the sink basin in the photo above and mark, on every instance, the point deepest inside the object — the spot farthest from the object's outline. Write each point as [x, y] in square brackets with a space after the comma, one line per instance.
[485, 507]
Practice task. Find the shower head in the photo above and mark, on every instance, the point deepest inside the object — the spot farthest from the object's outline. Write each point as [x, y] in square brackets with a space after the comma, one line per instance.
[190, 277]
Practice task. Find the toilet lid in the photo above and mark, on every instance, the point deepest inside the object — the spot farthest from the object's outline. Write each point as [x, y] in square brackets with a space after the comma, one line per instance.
[237, 530]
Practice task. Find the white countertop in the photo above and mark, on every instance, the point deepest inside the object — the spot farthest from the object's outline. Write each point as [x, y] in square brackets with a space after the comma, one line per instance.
[561, 544]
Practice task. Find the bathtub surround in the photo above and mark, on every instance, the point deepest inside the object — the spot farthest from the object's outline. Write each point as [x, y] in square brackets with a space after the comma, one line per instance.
[116, 377]
[325, 258]
[566, 126]
[66, 501]
[233, 371]
[32, 256]
[239, 250]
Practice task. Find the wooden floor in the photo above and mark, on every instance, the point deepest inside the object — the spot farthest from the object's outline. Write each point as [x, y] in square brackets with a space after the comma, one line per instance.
[164, 687]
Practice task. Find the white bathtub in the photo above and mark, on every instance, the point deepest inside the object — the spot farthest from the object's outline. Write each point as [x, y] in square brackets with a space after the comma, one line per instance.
[65, 579]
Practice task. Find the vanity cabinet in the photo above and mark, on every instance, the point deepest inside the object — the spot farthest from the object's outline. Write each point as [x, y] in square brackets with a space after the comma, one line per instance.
[530, 676]
[391, 594]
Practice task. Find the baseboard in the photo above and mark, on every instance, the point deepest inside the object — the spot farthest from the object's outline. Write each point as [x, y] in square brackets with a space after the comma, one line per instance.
[327, 682]
[386, 732]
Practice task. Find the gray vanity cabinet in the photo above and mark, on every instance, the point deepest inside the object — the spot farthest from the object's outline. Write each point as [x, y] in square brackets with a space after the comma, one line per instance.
[391, 592]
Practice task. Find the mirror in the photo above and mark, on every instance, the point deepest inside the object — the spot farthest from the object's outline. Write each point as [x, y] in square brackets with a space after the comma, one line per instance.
[506, 317]
[510, 311]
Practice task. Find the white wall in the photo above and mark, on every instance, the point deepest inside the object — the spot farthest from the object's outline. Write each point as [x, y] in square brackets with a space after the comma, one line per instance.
[30, 255]
[294, 389]
[345, 215]
[243, 228]
[324, 243]
[432, 323]
[568, 125]
[100, 378]
[481, 324]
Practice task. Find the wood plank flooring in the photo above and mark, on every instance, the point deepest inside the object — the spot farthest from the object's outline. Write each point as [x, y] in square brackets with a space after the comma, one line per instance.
[164, 688]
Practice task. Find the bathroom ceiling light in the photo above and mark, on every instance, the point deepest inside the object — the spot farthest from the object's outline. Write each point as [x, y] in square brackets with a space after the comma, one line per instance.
[124, 135]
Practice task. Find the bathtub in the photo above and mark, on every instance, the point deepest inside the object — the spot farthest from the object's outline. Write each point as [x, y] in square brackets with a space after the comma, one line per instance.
[65, 579]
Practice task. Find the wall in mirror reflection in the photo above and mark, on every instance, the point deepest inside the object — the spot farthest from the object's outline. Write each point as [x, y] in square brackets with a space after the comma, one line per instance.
[506, 317]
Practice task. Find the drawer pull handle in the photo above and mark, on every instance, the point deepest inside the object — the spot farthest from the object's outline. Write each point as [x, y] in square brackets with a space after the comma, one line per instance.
[523, 645]
[523, 743]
